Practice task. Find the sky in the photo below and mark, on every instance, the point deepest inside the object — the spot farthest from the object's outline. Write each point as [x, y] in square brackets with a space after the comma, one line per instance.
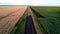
[31, 2]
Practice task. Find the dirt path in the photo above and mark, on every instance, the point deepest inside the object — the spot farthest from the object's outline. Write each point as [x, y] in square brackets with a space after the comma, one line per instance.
[40, 29]
[29, 28]
[35, 23]
[10, 18]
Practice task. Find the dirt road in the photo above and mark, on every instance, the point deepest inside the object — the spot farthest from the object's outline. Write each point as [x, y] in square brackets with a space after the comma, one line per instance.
[9, 15]
[29, 28]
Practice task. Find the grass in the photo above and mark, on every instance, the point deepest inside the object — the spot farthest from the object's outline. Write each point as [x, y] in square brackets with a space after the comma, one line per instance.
[51, 22]
[20, 26]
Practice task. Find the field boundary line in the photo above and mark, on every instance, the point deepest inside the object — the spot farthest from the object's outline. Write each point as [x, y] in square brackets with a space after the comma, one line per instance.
[35, 24]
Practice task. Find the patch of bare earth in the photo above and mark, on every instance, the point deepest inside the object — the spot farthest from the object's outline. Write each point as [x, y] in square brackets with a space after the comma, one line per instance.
[36, 24]
[9, 15]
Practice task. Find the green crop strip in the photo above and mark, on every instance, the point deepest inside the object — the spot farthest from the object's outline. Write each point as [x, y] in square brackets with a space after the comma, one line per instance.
[51, 22]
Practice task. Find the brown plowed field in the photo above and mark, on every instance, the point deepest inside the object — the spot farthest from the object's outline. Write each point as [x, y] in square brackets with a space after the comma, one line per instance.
[9, 15]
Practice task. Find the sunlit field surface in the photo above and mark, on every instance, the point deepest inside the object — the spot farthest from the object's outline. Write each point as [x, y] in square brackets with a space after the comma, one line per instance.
[5, 10]
[51, 20]
[9, 16]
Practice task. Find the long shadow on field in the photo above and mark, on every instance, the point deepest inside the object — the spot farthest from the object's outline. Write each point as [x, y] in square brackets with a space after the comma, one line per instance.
[29, 27]
[42, 29]
[36, 13]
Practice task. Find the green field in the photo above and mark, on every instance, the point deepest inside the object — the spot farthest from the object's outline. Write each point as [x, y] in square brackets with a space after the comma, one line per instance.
[51, 20]
[20, 26]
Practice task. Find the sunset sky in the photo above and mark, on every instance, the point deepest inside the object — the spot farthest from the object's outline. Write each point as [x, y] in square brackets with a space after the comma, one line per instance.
[31, 2]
